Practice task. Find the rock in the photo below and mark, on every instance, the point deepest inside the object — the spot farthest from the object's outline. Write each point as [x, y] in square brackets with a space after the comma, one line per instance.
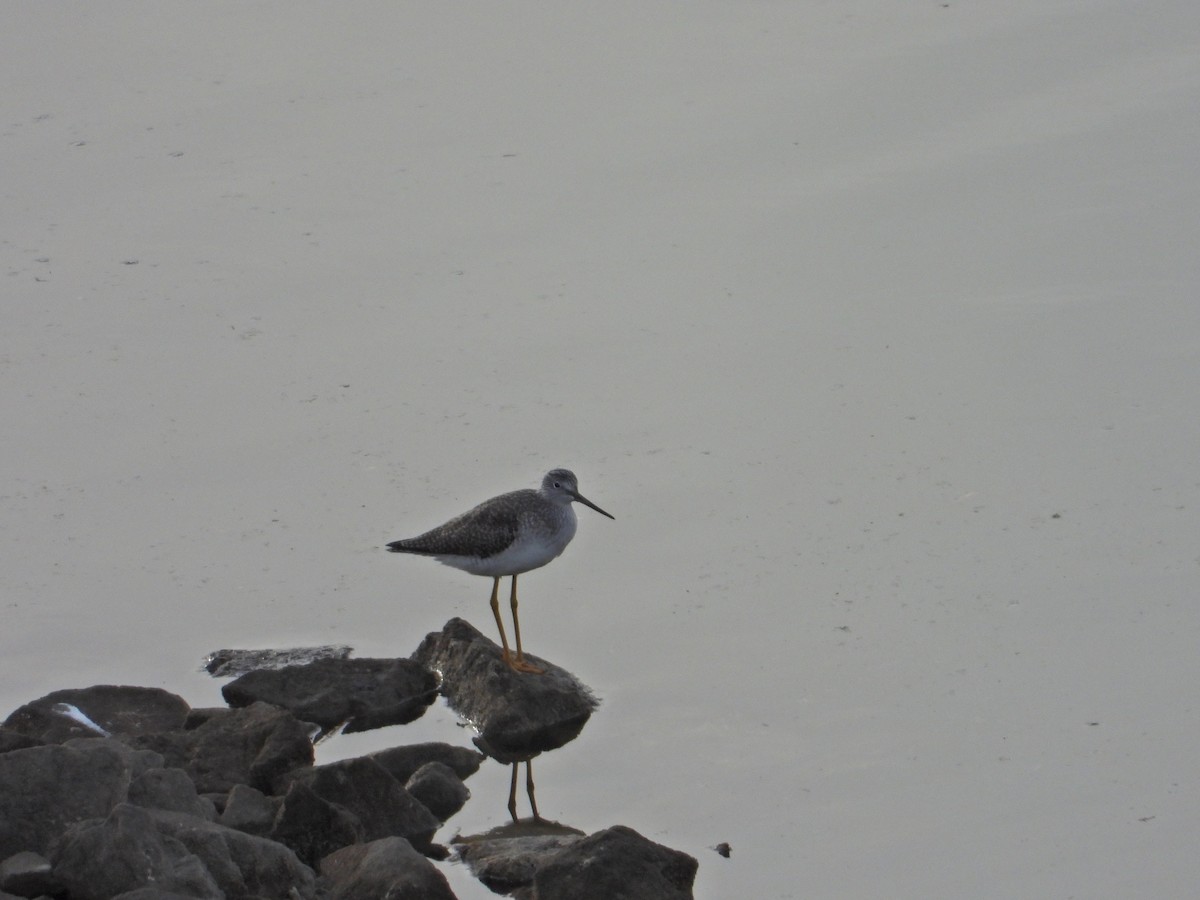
[437, 787]
[377, 800]
[110, 710]
[312, 826]
[241, 864]
[364, 693]
[101, 859]
[14, 740]
[170, 789]
[616, 862]
[250, 810]
[518, 716]
[403, 762]
[28, 874]
[253, 746]
[45, 789]
[227, 663]
[506, 864]
[388, 867]
[151, 893]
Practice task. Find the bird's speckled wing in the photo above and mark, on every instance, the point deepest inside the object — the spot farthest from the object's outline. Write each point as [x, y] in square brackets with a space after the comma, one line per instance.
[480, 532]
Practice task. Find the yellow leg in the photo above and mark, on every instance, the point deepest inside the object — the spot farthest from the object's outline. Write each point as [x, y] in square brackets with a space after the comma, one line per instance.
[499, 621]
[512, 794]
[529, 789]
[519, 663]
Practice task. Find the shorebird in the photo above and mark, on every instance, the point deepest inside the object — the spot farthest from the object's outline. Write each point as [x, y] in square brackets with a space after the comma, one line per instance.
[511, 534]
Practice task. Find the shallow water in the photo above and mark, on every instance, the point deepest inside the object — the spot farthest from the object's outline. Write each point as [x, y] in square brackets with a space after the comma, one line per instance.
[875, 329]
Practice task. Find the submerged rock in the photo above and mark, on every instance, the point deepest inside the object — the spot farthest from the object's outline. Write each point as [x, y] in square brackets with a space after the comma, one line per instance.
[616, 862]
[362, 693]
[507, 858]
[517, 715]
[388, 867]
[230, 663]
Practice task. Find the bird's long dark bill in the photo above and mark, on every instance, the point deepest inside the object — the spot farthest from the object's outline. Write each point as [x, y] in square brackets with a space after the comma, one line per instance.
[586, 502]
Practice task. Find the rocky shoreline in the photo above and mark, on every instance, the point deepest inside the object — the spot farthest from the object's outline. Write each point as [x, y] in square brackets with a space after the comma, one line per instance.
[115, 791]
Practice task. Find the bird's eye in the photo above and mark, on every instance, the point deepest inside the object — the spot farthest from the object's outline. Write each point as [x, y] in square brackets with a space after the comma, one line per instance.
[557, 484]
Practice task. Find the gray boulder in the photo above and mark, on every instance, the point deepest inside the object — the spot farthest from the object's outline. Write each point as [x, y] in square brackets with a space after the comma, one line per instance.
[507, 863]
[45, 789]
[98, 711]
[250, 810]
[616, 862]
[241, 864]
[312, 826]
[170, 789]
[253, 746]
[518, 716]
[100, 859]
[362, 693]
[388, 867]
[377, 801]
[403, 762]
[439, 789]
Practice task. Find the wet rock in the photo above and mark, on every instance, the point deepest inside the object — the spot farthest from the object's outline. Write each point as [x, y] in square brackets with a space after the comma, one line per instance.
[45, 789]
[27, 874]
[228, 663]
[312, 826]
[437, 787]
[616, 862]
[378, 801]
[388, 867]
[253, 746]
[506, 864]
[101, 859]
[364, 693]
[518, 716]
[241, 864]
[403, 762]
[250, 810]
[170, 789]
[98, 712]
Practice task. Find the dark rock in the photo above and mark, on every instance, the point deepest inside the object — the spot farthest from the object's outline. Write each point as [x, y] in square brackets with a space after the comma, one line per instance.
[241, 864]
[364, 693]
[250, 810]
[227, 663]
[45, 789]
[14, 740]
[377, 800]
[507, 864]
[170, 789]
[97, 860]
[253, 746]
[28, 874]
[403, 762]
[111, 709]
[388, 867]
[437, 787]
[312, 826]
[151, 893]
[616, 862]
[518, 716]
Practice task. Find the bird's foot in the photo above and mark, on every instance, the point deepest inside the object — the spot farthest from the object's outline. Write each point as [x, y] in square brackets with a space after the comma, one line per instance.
[520, 664]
